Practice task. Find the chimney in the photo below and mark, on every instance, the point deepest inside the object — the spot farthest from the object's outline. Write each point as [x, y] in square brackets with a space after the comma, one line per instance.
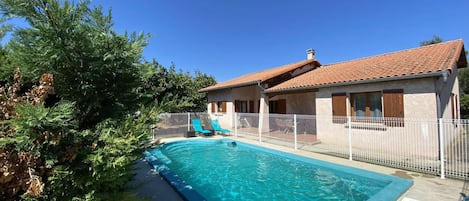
[310, 53]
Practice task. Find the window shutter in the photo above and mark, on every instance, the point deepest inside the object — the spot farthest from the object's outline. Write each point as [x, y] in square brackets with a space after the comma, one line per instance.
[214, 106]
[251, 106]
[454, 106]
[339, 107]
[393, 102]
[237, 106]
[223, 108]
[282, 106]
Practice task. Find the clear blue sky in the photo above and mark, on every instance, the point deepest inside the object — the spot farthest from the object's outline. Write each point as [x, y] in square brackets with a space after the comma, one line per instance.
[233, 37]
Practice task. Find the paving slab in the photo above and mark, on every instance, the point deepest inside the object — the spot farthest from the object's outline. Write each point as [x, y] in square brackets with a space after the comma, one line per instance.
[149, 185]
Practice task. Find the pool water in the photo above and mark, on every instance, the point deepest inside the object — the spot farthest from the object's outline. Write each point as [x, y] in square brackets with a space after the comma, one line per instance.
[228, 170]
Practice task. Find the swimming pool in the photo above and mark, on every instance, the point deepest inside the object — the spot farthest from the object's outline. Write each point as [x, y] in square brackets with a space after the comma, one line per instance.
[221, 170]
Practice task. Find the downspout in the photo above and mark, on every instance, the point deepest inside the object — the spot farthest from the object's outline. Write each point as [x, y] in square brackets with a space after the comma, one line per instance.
[439, 111]
[260, 86]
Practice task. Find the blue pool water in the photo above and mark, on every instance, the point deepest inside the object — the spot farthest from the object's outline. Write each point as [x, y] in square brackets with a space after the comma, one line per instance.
[220, 170]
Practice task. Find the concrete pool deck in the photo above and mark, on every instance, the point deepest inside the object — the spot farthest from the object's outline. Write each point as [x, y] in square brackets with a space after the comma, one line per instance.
[149, 185]
[425, 187]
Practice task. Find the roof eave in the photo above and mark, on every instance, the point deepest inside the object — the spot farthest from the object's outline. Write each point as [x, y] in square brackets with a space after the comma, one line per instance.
[231, 86]
[312, 61]
[384, 79]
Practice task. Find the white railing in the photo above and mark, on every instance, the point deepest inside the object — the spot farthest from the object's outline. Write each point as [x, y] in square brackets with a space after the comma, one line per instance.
[177, 124]
[433, 146]
[247, 125]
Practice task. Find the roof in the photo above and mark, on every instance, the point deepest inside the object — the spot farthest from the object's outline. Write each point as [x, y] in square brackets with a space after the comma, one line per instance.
[431, 60]
[254, 78]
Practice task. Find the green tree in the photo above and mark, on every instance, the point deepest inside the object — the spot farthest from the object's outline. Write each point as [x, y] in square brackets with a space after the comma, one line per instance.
[93, 65]
[436, 39]
[45, 156]
[104, 167]
[82, 146]
[200, 80]
[463, 77]
[176, 89]
[4, 74]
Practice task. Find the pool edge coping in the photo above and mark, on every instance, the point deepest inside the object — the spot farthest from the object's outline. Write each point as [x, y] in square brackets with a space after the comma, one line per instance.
[395, 188]
[177, 183]
[395, 184]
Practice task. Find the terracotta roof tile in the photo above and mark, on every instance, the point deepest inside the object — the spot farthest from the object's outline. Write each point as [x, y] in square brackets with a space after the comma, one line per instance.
[253, 78]
[426, 60]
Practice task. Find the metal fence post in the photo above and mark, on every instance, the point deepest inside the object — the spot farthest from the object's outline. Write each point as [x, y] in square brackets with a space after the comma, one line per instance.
[188, 121]
[349, 120]
[295, 132]
[235, 124]
[153, 128]
[261, 122]
[442, 148]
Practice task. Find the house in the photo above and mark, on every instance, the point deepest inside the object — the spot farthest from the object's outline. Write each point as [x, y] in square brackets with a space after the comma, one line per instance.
[246, 93]
[383, 90]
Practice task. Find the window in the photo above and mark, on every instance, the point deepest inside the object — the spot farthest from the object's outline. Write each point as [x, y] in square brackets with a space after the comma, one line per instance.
[278, 106]
[219, 106]
[373, 105]
[366, 105]
[241, 106]
[376, 109]
[244, 106]
[272, 106]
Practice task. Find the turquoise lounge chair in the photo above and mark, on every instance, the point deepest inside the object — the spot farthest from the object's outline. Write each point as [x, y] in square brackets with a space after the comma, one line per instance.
[197, 125]
[216, 127]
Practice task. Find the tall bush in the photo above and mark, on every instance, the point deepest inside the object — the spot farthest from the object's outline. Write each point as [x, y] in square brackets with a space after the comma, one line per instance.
[76, 134]
[93, 65]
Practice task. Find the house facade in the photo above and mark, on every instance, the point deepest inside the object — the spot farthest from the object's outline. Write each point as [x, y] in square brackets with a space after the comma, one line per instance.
[245, 94]
[377, 94]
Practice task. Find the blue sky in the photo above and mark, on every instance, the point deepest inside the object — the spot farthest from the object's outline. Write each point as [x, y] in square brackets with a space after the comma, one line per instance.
[230, 38]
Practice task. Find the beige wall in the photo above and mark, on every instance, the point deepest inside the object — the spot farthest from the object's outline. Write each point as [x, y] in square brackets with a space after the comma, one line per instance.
[419, 97]
[224, 118]
[419, 102]
[230, 95]
[247, 93]
[302, 103]
[219, 95]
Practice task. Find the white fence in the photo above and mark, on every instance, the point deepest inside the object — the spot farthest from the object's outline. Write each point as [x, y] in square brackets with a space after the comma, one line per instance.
[177, 124]
[433, 146]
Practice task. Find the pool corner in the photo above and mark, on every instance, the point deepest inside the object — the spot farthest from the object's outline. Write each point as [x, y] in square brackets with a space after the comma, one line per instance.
[178, 184]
